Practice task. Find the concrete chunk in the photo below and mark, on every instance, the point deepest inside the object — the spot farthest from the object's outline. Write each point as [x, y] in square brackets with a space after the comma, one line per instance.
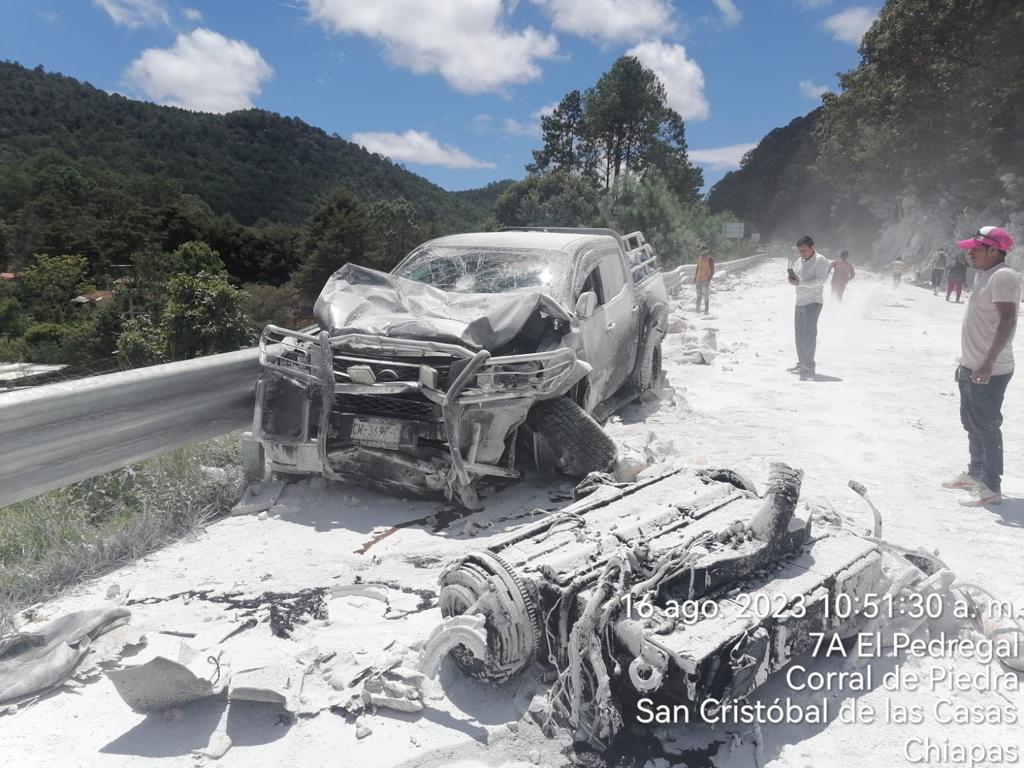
[259, 497]
[164, 682]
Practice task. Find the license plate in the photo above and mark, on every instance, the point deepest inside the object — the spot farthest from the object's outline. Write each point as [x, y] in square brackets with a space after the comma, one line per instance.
[377, 433]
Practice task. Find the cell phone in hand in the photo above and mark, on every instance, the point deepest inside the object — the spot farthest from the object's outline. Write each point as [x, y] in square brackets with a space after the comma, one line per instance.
[791, 272]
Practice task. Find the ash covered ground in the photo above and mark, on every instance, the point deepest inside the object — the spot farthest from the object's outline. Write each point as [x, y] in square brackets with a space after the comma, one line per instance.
[884, 412]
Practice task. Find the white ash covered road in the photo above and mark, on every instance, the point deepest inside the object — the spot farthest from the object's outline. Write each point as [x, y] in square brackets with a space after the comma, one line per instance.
[889, 420]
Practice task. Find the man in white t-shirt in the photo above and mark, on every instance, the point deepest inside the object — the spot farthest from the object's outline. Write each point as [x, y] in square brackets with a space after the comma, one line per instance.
[986, 362]
[808, 277]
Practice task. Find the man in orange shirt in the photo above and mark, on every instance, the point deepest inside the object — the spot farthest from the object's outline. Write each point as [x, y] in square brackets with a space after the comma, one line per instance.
[702, 279]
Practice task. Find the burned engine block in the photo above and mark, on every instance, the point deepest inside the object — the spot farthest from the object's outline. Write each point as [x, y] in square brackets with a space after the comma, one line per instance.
[684, 587]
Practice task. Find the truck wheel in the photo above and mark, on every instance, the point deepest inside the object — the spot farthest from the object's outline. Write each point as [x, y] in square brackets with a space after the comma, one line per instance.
[648, 367]
[574, 441]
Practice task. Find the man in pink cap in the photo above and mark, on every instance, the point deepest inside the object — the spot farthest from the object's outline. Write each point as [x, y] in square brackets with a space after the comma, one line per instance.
[986, 362]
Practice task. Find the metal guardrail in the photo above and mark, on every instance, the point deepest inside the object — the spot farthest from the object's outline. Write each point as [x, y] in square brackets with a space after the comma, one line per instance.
[676, 278]
[57, 434]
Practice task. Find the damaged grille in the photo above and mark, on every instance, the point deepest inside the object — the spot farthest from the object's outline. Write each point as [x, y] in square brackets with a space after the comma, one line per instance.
[395, 406]
[393, 370]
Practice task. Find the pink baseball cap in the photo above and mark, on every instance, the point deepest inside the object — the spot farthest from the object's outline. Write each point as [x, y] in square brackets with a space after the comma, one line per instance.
[994, 237]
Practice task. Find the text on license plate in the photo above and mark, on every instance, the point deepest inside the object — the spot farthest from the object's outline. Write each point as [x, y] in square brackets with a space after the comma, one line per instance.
[377, 433]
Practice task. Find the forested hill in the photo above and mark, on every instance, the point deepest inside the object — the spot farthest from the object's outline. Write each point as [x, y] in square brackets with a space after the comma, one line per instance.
[923, 143]
[252, 164]
[773, 188]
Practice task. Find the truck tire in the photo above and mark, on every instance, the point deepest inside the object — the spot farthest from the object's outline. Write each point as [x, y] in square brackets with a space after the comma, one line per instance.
[731, 476]
[292, 477]
[648, 367]
[574, 441]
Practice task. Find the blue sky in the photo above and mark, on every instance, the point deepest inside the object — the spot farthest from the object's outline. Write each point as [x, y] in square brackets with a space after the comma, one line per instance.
[451, 88]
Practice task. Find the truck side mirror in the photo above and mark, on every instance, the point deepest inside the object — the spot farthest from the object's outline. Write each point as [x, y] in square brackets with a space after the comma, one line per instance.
[586, 304]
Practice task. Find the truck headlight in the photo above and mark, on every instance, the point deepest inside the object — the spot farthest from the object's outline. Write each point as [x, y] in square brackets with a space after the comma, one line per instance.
[510, 376]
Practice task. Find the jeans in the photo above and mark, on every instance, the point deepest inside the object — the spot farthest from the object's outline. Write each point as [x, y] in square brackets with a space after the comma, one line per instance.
[703, 292]
[980, 413]
[806, 323]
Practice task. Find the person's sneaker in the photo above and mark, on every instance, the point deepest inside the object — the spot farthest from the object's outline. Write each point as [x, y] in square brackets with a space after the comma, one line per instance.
[965, 481]
[982, 496]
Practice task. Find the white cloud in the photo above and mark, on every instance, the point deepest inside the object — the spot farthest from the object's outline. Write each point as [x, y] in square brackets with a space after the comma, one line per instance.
[464, 41]
[135, 13]
[731, 15]
[547, 109]
[813, 4]
[417, 147]
[517, 128]
[191, 14]
[482, 123]
[812, 90]
[203, 71]
[681, 76]
[613, 21]
[50, 17]
[721, 158]
[850, 25]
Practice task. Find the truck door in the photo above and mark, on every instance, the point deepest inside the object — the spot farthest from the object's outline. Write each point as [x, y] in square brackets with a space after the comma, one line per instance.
[622, 313]
[610, 334]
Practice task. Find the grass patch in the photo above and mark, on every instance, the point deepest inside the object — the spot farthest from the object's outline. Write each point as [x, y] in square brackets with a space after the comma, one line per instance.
[85, 530]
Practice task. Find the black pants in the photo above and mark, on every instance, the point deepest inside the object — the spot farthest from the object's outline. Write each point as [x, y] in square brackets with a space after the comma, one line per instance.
[807, 334]
[936, 278]
[981, 414]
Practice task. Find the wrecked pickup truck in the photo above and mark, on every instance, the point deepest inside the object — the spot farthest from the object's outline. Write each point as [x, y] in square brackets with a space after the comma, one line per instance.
[478, 352]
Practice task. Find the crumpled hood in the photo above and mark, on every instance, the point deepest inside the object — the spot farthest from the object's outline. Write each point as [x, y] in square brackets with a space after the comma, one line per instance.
[361, 300]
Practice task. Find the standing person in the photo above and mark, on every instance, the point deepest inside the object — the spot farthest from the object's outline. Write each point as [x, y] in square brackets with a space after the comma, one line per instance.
[702, 279]
[809, 279]
[898, 267]
[938, 262]
[842, 273]
[956, 274]
[986, 362]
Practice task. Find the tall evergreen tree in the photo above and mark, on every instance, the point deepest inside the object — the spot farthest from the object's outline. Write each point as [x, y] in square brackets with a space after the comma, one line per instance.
[566, 145]
[396, 228]
[335, 234]
[622, 125]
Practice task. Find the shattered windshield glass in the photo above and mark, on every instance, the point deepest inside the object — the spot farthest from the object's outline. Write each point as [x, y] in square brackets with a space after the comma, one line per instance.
[490, 270]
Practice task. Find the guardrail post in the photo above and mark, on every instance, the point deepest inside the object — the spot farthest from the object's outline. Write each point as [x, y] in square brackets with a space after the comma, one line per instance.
[254, 460]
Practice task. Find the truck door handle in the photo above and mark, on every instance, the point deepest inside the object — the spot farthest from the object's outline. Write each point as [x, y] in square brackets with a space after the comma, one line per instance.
[636, 307]
[611, 325]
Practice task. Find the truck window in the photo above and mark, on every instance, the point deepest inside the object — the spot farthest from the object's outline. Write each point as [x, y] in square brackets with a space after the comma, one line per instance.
[594, 283]
[613, 278]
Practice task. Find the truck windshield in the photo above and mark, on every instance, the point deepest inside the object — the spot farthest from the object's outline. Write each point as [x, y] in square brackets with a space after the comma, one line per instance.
[467, 269]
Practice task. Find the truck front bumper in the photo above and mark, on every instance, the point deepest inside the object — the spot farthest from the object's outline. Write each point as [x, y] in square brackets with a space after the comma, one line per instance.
[423, 432]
